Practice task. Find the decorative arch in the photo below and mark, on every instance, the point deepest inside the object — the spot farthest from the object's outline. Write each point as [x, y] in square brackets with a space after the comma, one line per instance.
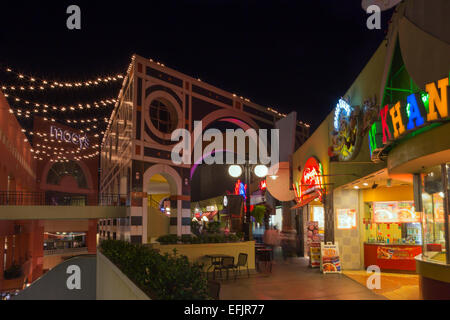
[175, 184]
[90, 184]
[224, 115]
[169, 173]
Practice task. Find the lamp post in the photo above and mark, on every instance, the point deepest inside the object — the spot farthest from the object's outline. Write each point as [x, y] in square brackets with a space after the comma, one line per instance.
[236, 171]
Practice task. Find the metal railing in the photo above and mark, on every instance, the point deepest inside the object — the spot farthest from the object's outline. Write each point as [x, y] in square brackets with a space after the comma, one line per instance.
[19, 198]
[52, 252]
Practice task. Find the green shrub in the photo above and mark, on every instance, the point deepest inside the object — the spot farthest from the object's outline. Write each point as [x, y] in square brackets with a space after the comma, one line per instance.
[258, 213]
[168, 239]
[162, 277]
[186, 238]
[213, 227]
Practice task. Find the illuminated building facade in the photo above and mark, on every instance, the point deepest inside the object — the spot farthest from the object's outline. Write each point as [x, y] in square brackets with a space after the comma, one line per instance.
[136, 150]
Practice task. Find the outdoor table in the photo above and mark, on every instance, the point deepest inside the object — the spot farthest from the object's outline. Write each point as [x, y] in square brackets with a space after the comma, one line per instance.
[216, 260]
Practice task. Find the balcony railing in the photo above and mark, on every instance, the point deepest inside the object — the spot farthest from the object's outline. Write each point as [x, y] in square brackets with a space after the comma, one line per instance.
[15, 198]
[52, 252]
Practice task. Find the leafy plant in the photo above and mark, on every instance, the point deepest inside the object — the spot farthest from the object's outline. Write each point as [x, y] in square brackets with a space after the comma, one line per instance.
[195, 227]
[165, 277]
[186, 238]
[168, 239]
[213, 227]
[258, 213]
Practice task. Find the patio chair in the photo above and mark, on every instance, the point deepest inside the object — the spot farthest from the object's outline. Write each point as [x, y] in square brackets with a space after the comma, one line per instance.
[242, 262]
[227, 264]
[214, 289]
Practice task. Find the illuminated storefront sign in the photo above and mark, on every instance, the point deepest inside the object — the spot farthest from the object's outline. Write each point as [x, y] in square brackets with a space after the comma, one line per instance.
[418, 111]
[346, 218]
[311, 181]
[395, 212]
[346, 134]
[71, 137]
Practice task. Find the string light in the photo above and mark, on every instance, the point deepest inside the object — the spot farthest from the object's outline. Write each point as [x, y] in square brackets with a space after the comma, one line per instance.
[79, 106]
[43, 84]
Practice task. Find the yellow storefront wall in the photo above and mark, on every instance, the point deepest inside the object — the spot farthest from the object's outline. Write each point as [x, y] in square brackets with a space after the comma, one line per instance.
[157, 223]
[400, 193]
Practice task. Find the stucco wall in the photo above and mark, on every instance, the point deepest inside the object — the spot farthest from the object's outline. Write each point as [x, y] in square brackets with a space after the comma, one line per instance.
[349, 240]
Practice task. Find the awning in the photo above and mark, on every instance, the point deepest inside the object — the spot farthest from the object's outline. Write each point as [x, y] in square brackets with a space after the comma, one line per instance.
[307, 199]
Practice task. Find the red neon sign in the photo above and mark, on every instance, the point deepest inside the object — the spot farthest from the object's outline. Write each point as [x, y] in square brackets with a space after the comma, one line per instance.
[312, 179]
[263, 185]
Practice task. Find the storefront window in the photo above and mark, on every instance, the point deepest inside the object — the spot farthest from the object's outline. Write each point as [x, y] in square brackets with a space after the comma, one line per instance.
[433, 195]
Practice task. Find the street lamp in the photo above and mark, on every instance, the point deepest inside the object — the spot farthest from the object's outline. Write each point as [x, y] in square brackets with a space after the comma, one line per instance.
[235, 171]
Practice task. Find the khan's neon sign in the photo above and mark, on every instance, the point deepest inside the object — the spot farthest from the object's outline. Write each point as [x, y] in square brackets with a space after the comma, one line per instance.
[419, 110]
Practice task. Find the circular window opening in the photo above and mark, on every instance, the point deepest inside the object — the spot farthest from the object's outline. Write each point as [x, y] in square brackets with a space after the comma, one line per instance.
[163, 115]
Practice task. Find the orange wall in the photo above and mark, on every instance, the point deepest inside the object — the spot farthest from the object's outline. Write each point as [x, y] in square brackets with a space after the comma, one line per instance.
[400, 193]
[16, 159]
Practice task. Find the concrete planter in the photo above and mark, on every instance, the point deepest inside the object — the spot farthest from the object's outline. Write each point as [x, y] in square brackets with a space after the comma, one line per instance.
[112, 284]
[197, 252]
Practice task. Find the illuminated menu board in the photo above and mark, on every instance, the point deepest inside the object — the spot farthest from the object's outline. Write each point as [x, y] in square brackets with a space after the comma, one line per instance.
[395, 212]
[346, 218]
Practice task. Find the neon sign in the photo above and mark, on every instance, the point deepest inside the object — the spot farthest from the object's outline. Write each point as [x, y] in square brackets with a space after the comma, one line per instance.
[311, 181]
[344, 107]
[419, 110]
[240, 189]
[67, 136]
[263, 185]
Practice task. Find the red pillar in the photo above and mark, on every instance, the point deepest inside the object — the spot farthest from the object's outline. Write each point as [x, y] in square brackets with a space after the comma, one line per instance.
[91, 237]
[18, 249]
[2, 259]
[37, 256]
[9, 252]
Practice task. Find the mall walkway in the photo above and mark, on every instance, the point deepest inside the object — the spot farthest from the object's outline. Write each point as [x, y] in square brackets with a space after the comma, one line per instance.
[294, 280]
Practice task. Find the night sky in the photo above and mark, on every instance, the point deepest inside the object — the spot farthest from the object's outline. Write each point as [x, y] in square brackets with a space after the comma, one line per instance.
[290, 55]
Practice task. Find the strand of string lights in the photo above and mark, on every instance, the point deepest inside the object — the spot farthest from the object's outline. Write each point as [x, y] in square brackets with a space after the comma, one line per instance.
[43, 84]
[72, 107]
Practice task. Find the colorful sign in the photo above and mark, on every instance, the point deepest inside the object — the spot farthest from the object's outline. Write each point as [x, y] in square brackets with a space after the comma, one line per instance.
[311, 181]
[346, 218]
[418, 111]
[395, 212]
[329, 259]
[313, 242]
[398, 253]
[346, 136]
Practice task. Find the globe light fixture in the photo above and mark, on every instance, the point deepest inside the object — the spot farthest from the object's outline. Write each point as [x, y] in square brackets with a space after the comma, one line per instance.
[261, 170]
[235, 171]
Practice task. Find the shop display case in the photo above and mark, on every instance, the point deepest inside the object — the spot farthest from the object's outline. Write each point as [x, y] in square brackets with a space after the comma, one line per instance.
[434, 222]
[393, 235]
[433, 265]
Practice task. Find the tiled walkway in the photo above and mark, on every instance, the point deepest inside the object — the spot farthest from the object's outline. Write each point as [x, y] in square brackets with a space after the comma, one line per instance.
[394, 286]
[294, 280]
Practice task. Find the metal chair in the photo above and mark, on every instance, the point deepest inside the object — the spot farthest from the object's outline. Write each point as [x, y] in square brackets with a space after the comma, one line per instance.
[214, 289]
[227, 264]
[242, 262]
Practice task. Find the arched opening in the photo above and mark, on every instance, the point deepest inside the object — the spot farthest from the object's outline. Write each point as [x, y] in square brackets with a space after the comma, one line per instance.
[161, 183]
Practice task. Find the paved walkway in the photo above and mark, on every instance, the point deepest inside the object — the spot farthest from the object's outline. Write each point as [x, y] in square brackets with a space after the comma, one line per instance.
[394, 286]
[294, 280]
